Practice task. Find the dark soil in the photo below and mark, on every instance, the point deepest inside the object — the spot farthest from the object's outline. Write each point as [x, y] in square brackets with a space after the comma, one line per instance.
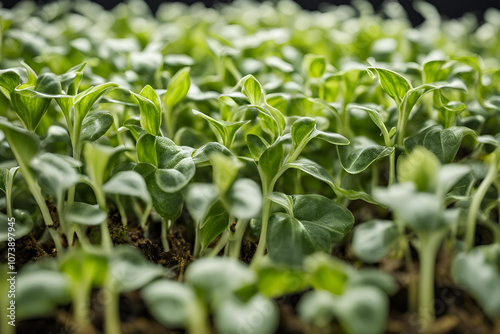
[456, 311]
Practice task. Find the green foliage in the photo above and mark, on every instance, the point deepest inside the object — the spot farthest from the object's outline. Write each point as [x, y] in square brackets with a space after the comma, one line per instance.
[202, 120]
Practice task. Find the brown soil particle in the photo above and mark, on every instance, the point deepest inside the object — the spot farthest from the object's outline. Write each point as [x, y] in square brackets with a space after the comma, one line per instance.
[27, 250]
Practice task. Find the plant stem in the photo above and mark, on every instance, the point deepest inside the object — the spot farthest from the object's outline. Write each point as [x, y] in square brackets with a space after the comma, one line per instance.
[197, 240]
[81, 306]
[476, 203]
[261, 247]
[82, 238]
[236, 241]
[220, 244]
[121, 210]
[392, 167]
[170, 122]
[47, 218]
[412, 284]
[164, 241]
[111, 309]
[346, 120]
[106, 241]
[198, 319]
[40, 201]
[8, 202]
[492, 226]
[429, 247]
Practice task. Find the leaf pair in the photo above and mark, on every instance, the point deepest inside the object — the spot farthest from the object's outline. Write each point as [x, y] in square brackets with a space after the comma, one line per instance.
[175, 166]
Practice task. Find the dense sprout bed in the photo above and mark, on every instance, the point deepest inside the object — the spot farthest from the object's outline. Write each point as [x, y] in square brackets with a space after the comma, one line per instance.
[248, 168]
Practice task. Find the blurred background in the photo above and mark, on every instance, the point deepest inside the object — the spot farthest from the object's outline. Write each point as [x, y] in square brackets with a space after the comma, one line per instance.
[447, 8]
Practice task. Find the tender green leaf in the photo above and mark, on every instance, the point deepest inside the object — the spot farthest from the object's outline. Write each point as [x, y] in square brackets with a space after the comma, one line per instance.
[84, 214]
[363, 310]
[302, 129]
[394, 84]
[276, 280]
[96, 125]
[175, 165]
[201, 156]
[420, 211]
[225, 170]
[360, 310]
[24, 144]
[256, 145]
[244, 199]
[178, 87]
[279, 64]
[9, 80]
[167, 205]
[170, 302]
[86, 99]
[376, 118]
[317, 223]
[130, 270]
[85, 269]
[233, 316]
[217, 277]
[55, 173]
[146, 148]
[199, 197]
[374, 239]
[149, 105]
[253, 90]
[7, 177]
[314, 66]
[271, 160]
[283, 200]
[128, 183]
[361, 153]
[224, 131]
[444, 143]
[99, 160]
[215, 222]
[40, 291]
[479, 273]
[326, 273]
[420, 167]
[312, 168]
[31, 109]
[436, 70]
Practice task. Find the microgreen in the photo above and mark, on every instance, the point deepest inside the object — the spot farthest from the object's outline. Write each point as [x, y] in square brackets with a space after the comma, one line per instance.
[239, 146]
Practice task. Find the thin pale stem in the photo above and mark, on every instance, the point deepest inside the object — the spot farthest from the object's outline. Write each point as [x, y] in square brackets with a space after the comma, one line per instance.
[8, 202]
[220, 244]
[476, 203]
[197, 240]
[261, 247]
[429, 247]
[198, 319]
[164, 241]
[121, 210]
[235, 243]
[112, 309]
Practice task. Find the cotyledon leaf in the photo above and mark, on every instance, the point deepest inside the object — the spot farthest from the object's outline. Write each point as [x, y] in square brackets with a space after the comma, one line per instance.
[317, 223]
[444, 143]
[361, 153]
[175, 165]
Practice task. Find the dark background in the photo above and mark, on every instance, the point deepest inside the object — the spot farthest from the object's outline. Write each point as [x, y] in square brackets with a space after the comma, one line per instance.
[447, 8]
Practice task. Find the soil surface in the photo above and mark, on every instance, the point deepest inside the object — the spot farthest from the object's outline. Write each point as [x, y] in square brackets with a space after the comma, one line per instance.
[456, 311]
